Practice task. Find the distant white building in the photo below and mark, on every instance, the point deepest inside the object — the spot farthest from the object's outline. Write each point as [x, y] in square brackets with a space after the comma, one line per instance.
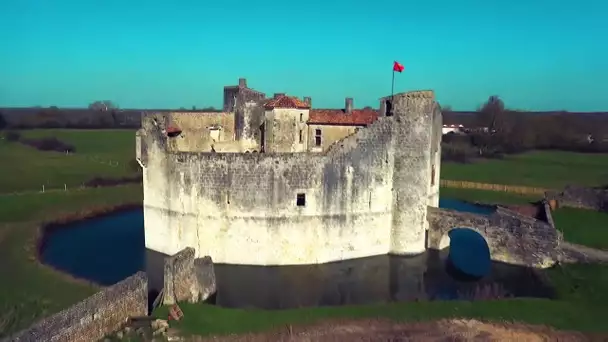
[452, 128]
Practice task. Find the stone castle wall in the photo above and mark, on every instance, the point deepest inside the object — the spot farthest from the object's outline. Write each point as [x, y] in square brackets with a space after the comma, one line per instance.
[242, 208]
[93, 318]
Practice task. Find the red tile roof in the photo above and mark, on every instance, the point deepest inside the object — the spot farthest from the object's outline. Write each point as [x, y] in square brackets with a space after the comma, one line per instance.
[358, 117]
[285, 101]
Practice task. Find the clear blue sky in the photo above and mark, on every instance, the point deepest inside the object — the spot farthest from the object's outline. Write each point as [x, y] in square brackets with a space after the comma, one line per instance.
[535, 54]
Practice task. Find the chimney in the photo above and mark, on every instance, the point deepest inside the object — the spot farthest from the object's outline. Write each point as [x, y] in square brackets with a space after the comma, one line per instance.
[348, 105]
[242, 83]
[308, 100]
[277, 95]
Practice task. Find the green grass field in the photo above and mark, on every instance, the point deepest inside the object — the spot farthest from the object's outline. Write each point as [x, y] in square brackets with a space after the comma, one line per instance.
[488, 197]
[585, 227]
[548, 169]
[28, 290]
[581, 306]
[103, 153]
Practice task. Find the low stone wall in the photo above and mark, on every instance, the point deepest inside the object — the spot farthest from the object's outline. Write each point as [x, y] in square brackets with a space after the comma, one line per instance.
[94, 317]
[580, 197]
[187, 278]
[512, 238]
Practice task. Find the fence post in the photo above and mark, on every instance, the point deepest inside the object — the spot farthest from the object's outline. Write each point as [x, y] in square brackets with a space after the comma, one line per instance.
[65, 187]
[42, 187]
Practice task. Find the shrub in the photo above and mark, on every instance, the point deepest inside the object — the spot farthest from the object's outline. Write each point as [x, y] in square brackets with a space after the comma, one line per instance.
[49, 144]
[99, 182]
[458, 153]
[12, 136]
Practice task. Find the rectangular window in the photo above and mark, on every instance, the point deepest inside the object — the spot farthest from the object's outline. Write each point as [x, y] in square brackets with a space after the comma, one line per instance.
[433, 176]
[317, 137]
[301, 117]
[301, 200]
[301, 137]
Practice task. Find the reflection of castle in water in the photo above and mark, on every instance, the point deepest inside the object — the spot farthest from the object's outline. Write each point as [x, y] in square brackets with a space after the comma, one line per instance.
[360, 281]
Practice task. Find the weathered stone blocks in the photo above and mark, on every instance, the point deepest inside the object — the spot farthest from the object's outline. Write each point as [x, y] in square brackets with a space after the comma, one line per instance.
[187, 278]
[95, 317]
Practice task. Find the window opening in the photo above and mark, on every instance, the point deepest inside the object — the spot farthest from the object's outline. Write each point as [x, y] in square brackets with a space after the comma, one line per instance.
[301, 200]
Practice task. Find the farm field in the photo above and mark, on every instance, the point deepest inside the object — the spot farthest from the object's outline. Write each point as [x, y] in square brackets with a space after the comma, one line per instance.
[548, 169]
[99, 153]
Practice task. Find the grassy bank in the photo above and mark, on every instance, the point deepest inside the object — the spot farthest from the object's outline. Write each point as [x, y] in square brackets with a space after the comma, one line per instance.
[548, 169]
[30, 290]
[99, 153]
[585, 227]
[485, 196]
[581, 306]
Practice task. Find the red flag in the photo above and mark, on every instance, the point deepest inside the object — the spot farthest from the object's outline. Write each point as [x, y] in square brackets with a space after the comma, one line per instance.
[398, 67]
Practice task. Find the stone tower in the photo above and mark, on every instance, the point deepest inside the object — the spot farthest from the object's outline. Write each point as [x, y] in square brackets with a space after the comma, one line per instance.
[412, 175]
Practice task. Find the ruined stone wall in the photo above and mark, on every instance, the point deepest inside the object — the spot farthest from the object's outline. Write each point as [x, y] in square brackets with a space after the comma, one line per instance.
[243, 208]
[329, 135]
[94, 317]
[187, 279]
[197, 133]
[248, 119]
[434, 185]
[512, 238]
[581, 197]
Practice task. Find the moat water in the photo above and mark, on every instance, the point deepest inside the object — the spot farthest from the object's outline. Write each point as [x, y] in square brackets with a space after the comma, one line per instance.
[110, 248]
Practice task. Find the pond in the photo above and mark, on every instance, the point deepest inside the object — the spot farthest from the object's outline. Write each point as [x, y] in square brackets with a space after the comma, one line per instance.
[108, 249]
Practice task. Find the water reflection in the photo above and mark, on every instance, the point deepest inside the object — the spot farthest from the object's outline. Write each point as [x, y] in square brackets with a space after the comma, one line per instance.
[449, 203]
[106, 250]
[367, 280]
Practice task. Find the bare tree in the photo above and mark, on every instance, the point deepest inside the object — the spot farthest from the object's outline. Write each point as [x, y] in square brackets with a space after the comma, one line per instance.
[491, 114]
[106, 107]
[103, 106]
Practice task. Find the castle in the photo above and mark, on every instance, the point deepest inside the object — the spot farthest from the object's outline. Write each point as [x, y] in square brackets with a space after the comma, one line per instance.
[276, 182]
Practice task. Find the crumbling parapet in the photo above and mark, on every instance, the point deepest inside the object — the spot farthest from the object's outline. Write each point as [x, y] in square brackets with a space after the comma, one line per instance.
[187, 278]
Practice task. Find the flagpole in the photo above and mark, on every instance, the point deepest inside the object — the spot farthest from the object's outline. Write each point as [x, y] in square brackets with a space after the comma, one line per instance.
[393, 85]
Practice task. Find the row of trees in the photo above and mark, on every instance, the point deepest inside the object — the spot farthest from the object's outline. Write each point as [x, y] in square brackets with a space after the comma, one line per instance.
[99, 114]
[497, 131]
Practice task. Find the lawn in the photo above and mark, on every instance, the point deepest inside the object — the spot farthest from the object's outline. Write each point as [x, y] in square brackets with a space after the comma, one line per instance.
[584, 227]
[485, 196]
[29, 290]
[104, 153]
[32, 291]
[581, 306]
[548, 169]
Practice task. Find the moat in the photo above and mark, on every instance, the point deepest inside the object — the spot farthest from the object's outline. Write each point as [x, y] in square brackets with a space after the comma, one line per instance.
[108, 249]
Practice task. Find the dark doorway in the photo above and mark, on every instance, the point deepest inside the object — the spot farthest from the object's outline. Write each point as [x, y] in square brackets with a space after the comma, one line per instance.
[262, 138]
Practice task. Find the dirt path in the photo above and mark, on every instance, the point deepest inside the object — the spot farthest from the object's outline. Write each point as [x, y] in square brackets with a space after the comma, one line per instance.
[385, 330]
[578, 253]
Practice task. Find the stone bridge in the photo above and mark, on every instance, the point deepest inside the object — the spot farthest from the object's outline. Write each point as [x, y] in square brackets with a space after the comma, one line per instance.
[511, 237]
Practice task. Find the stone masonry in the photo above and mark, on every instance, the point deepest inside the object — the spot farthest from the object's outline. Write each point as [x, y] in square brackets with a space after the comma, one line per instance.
[93, 318]
[187, 278]
[372, 192]
[512, 238]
